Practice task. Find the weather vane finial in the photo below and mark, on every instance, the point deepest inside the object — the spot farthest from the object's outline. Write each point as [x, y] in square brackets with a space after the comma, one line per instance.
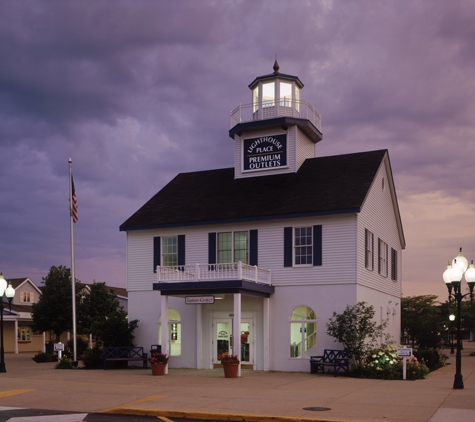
[276, 65]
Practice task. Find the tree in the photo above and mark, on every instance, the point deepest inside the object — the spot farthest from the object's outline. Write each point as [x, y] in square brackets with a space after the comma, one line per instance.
[53, 312]
[356, 330]
[422, 320]
[101, 316]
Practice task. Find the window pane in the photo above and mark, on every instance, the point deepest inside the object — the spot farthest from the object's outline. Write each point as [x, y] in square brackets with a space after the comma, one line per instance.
[268, 94]
[285, 94]
[303, 246]
[170, 251]
[224, 247]
[241, 247]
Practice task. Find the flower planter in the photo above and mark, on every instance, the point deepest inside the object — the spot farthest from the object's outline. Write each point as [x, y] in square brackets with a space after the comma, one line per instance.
[230, 370]
[158, 368]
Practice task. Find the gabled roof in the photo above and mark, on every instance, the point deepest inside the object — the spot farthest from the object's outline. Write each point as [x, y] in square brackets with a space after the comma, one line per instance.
[18, 282]
[322, 186]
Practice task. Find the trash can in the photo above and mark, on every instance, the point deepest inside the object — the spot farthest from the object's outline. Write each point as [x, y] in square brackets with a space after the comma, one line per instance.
[155, 348]
[49, 347]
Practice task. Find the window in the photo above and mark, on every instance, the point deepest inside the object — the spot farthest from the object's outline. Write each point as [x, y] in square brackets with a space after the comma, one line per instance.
[285, 94]
[393, 264]
[174, 332]
[24, 334]
[170, 251]
[382, 258]
[303, 246]
[268, 92]
[255, 99]
[26, 297]
[303, 332]
[369, 262]
[233, 247]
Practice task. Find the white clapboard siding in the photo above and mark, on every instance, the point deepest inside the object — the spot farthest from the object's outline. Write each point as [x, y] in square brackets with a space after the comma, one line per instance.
[378, 215]
[339, 256]
[305, 148]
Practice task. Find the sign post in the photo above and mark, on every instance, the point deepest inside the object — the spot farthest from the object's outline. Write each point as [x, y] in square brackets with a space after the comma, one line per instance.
[404, 353]
[59, 347]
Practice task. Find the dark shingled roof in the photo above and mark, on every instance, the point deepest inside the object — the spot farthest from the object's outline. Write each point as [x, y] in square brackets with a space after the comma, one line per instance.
[322, 186]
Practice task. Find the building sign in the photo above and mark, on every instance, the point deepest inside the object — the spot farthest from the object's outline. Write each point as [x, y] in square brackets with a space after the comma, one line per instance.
[404, 352]
[265, 153]
[198, 300]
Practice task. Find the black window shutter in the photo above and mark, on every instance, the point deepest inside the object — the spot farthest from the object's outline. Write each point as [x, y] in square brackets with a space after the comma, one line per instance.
[211, 248]
[372, 251]
[387, 260]
[379, 254]
[253, 247]
[181, 249]
[156, 253]
[288, 249]
[366, 248]
[317, 245]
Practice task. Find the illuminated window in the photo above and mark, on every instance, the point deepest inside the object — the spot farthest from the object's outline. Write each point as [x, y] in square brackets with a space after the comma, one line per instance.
[268, 94]
[174, 332]
[26, 297]
[303, 332]
[24, 334]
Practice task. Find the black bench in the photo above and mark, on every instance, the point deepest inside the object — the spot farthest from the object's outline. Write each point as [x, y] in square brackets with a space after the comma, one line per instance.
[115, 354]
[338, 359]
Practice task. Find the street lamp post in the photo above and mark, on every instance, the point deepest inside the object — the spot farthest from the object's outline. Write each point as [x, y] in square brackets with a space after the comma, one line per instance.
[453, 279]
[9, 293]
[452, 319]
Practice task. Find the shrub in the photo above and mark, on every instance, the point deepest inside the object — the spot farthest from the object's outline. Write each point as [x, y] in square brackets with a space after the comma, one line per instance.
[432, 358]
[65, 363]
[92, 358]
[81, 346]
[44, 357]
[383, 363]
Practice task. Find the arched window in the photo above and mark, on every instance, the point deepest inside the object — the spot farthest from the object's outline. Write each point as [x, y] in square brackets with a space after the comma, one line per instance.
[174, 332]
[303, 332]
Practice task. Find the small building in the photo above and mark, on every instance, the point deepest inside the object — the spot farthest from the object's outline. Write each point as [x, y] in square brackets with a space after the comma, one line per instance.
[253, 260]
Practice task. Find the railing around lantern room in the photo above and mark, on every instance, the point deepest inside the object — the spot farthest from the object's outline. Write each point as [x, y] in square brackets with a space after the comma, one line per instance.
[272, 109]
[213, 272]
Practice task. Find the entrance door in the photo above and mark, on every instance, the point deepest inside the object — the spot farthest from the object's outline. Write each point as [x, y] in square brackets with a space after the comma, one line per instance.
[223, 339]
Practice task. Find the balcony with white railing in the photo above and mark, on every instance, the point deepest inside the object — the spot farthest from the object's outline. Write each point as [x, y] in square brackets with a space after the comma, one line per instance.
[273, 109]
[213, 272]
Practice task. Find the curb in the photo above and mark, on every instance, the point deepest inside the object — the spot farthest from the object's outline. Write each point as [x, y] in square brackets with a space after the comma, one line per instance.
[212, 416]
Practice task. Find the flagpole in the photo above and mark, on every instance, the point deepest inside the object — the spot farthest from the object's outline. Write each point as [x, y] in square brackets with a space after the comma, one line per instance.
[73, 276]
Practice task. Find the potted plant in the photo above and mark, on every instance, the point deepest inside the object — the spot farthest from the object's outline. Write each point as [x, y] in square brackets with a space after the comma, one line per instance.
[158, 362]
[230, 365]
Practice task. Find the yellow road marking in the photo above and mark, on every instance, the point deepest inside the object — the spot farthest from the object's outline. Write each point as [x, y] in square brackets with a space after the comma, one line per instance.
[14, 392]
[164, 418]
[135, 402]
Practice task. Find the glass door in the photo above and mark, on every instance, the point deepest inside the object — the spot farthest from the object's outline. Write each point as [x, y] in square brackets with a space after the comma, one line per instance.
[245, 352]
[223, 338]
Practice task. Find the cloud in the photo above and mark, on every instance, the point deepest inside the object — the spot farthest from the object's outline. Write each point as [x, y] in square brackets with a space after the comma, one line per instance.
[136, 92]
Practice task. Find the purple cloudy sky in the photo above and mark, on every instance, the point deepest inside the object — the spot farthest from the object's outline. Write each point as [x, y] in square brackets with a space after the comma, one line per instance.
[138, 91]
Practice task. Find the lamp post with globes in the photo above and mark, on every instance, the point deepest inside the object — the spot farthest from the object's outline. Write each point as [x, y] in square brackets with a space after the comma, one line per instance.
[9, 293]
[453, 279]
[452, 319]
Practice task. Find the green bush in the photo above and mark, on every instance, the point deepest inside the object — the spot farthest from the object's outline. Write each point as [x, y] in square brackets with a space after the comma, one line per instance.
[81, 346]
[44, 357]
[383, 363]
[65, 363]
[92, 358]
[432, 358]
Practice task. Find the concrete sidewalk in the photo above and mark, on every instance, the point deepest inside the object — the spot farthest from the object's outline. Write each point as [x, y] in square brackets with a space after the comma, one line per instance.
[208, 395]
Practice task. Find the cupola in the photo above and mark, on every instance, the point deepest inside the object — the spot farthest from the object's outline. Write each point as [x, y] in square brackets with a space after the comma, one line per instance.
[277, 131]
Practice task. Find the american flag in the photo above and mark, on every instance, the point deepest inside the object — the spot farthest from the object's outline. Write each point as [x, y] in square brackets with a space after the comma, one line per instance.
[74, 207]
